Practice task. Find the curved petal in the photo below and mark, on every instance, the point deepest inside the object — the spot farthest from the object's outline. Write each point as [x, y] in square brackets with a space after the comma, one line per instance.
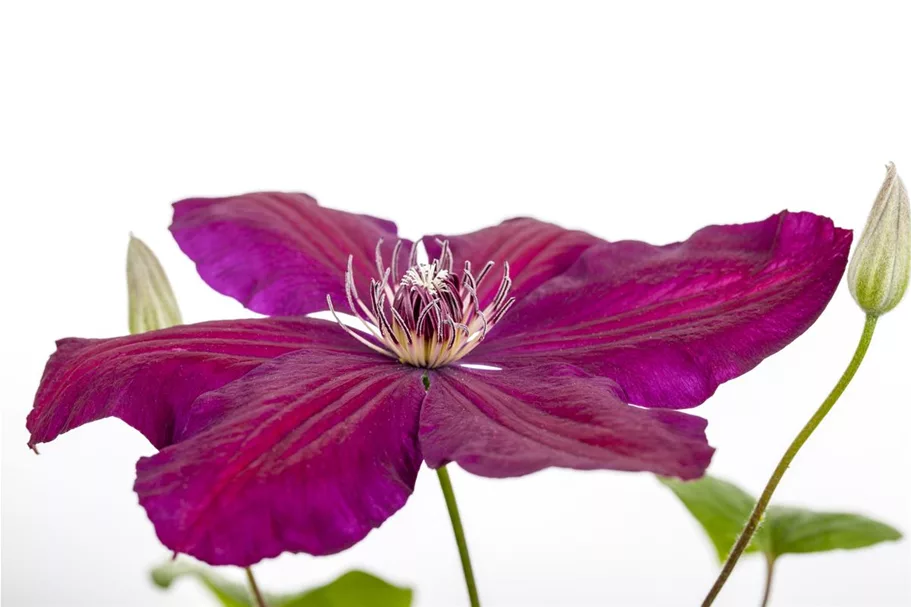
[671, 323]
[277, 253]
[149, 380]
[536, 252]
[305, 454]
[516, 421]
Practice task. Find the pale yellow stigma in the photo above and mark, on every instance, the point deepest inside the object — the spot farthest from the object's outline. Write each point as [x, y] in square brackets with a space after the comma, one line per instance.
[426, 275]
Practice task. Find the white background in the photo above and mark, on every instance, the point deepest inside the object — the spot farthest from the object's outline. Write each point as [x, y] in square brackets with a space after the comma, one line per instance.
[642, 120]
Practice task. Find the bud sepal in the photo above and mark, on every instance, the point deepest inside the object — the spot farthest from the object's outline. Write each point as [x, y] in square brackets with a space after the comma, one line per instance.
[879, 271]
[151, 300]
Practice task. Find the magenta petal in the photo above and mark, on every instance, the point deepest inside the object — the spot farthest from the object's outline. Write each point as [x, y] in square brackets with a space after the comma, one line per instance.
[516, 421]
[149, 380]
[277, 253]
[671, 323]
[536, 252]
[305, 454]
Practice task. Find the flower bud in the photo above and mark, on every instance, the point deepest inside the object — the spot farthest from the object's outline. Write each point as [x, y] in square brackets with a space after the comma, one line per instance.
[152, 302]
[879, 270]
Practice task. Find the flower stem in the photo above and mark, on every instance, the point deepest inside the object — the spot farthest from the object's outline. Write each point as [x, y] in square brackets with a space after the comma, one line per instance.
[254, 589]
[769, 572]
[449, 495]
[753, 523]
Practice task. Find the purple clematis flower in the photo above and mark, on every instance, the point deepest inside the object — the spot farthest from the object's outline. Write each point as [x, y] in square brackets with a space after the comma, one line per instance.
[296, 434]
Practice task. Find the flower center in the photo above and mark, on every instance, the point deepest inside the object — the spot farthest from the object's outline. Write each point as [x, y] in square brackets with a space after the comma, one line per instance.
[425, 276]
[432, 316]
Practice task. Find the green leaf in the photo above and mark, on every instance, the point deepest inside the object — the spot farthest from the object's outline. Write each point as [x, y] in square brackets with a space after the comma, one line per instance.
[797, 531]
[152, 302]
[228, 593]
[721, 508]
[353, 589]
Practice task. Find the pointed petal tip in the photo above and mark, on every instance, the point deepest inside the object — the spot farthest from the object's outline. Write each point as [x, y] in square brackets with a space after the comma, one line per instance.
[670, 323]
[149, 380]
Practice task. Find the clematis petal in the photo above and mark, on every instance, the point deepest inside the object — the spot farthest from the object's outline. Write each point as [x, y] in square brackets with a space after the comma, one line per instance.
[277, 253]
[536, 252]
[671, 323]
[520, 420]
[307, 453]
[149, 380]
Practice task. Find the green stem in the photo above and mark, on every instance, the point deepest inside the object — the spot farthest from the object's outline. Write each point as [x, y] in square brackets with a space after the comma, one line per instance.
[254, 589]
[769, 572]
[753, 523]
[449, 495]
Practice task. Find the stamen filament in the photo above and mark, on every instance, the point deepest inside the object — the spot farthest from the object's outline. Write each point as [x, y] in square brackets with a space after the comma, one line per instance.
[351, 332]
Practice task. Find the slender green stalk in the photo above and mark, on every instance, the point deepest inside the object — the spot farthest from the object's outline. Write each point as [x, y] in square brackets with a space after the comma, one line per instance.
[756, 517]
[459, 532]
[769, 572]
[254, 589]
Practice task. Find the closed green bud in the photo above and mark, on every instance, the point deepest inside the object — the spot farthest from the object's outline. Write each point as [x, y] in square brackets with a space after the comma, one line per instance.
[152, 302]
[879, 271]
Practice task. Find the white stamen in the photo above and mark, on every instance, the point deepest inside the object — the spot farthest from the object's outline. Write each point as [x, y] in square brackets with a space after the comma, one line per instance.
[433, 317]
[353, 334]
